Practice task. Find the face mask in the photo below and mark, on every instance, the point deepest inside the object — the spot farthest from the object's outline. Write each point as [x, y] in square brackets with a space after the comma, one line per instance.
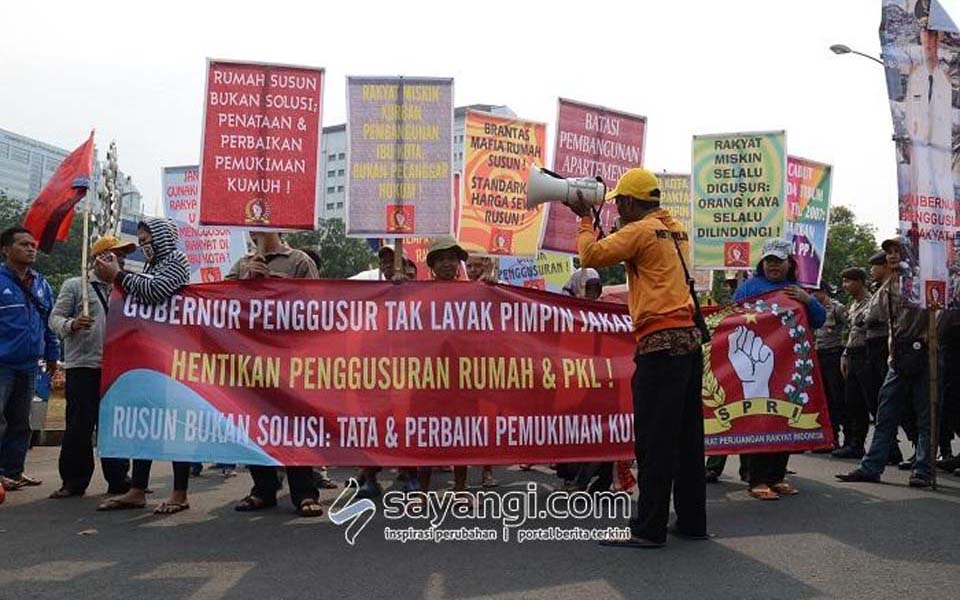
[148, 252]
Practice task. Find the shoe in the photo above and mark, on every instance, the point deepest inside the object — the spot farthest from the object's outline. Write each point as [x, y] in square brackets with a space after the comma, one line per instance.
[957, 472]
[848, 452]
[370, 489]
[949, 464]
[918, 480]
[196, 469]
[907, 465]
[896, 457]
[857, 475]
[712, 476]
[325, 483]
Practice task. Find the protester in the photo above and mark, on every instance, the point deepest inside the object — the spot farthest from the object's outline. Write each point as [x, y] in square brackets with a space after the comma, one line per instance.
[167, 270]
[855, 367]
[948, 332]
[593, 476]
[829, 341]
[25, 303]
[83, 355]
[777, 270]
[906, 383]
[444, 258]
[272, 258]
[483, 268]
[668, 415]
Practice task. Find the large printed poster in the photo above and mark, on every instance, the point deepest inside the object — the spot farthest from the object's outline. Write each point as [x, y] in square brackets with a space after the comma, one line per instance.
[212, 251]
[739, 197]
[921, 51]
[399, 132]
[592, 141]
[494, 219]
[261, 141]
[808, 214]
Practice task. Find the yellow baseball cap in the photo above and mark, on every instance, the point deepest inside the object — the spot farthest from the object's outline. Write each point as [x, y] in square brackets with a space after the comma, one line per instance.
[109, 243]
[637, 183]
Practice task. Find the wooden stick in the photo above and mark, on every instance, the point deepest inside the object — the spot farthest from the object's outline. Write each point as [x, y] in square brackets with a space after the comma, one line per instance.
[933, 352]
[398, 274]
[84, 257]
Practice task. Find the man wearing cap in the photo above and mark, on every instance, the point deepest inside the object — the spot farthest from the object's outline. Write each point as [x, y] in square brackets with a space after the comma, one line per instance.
[82, 336]
[855, 367]
[906, 383]
[829, 340]
[444, 259]
[668, 416]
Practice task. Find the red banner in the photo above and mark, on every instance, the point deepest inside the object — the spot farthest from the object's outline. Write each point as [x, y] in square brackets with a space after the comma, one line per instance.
[261, 138]
[591, 141]
[367, 373]
[763, 391]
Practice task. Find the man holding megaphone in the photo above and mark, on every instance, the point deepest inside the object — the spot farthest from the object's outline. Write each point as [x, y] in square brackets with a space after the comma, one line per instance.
[668, 417]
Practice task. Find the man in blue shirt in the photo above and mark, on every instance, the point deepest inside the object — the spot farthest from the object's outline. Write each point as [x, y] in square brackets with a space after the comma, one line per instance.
[25, 303]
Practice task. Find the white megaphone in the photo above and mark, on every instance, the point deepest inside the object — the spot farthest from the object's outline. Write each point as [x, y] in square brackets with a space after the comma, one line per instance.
[544, 185]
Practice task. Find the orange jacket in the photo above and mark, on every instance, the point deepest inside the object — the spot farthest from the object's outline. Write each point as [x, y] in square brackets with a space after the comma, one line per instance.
[659, 296]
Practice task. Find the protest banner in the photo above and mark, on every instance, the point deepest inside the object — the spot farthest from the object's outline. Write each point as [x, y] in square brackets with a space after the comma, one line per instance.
[210, 250]
[921, 54]
[592, 141]
[367, 373]
[808, 215]
[399, 156]
[261, 139]
[675, 197]
[549, 271]
[762, 390]
[494, 219]
[739, 197]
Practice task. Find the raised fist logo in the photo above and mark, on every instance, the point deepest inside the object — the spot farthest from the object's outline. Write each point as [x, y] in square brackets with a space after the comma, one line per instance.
[753, 362]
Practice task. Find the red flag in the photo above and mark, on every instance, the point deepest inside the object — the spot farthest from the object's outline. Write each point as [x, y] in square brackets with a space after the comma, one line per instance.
[51, 214]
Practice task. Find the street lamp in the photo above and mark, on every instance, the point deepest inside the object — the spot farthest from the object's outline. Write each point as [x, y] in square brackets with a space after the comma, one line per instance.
[841, 49]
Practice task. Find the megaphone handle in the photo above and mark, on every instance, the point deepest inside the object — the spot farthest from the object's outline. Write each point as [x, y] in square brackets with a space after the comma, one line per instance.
[597, 224]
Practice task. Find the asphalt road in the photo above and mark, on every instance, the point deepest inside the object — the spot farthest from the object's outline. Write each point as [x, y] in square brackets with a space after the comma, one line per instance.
[832, 541]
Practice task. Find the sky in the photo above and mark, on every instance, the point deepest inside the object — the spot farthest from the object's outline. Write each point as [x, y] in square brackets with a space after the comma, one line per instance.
[134, 71]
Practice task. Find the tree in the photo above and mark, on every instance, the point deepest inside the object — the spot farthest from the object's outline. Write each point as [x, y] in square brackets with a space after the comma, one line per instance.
[340, 256]
[849, 244]
[64, 261]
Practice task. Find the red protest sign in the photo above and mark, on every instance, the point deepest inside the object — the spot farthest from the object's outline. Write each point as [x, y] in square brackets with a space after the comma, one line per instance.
[368, 373]
[261, 140]
[591, 141]
[762, 391]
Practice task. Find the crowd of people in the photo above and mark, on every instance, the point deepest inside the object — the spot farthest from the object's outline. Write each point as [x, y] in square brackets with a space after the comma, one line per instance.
[872, 354]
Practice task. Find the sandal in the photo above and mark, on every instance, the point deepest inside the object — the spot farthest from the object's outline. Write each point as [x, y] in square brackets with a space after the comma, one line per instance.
[27, 481]
[253, 503]
[784, 489]
[309, 507]
[764, 493]
[118, 504]
[170, 508]
[65, 493]
[10, 485]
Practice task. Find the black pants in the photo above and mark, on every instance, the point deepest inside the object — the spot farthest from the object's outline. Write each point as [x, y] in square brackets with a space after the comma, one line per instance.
[833, 386]
[856, 394]
[141, 475]
[602, 471]
[668, 421]
[266, 484]
[767, 468]
[76, 452]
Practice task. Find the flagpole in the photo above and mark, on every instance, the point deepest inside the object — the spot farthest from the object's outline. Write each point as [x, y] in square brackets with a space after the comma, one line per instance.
[84, 257]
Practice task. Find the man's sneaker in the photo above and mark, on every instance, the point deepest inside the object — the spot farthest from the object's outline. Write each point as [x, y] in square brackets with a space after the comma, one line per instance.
[858, 475]
[848, 452]
[949, 464]
[919, 480]
[896, 457]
